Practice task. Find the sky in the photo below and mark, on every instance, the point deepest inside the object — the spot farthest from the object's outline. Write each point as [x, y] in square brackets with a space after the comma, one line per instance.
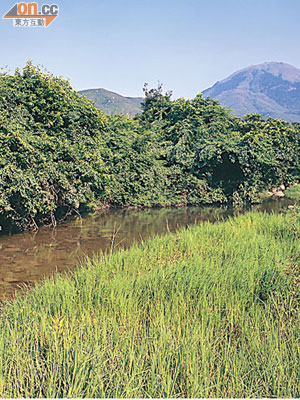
[186, 45]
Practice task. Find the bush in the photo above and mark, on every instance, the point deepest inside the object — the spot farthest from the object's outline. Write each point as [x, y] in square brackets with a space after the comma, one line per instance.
[50, 139]
[60, 155]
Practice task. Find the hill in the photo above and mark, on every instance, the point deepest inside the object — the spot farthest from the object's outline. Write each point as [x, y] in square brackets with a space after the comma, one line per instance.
[271, 89]
[113, 103]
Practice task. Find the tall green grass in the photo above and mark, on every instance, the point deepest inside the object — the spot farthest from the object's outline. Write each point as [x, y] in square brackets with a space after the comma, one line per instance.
[293, 193]
[212, 311]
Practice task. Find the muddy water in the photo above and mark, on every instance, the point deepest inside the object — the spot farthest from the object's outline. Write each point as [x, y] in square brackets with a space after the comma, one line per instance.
[29, 257]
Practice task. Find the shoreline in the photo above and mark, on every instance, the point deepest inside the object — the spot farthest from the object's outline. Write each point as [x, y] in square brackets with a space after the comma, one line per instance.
[170, 298]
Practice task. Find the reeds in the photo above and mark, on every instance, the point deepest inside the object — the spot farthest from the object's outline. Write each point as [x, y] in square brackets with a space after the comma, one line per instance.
[212, 311]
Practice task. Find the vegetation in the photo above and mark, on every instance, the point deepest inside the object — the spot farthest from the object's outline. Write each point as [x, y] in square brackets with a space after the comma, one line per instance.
[293, 192]
[170, 318]
[113, 103]
[60, 155]
[212, 156]
[50, 160]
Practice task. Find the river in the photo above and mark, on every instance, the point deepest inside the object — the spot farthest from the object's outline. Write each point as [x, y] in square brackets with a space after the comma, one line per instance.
[28, 257]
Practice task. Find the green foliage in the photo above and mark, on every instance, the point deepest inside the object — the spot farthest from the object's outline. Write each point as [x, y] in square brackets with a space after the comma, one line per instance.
[131, 156]
[113, 103]
[269, 150]
[59, 154]
[50, 140]
[293, 192]
[212, 156]
[208, 312]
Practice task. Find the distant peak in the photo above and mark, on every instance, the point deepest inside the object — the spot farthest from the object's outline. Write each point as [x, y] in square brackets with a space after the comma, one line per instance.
[277, 68]
[271, 89]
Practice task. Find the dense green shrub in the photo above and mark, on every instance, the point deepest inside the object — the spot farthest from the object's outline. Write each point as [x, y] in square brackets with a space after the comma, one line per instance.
[59, 154]
[140, 178]
[50, 140]
[213, 156]
[193, 136]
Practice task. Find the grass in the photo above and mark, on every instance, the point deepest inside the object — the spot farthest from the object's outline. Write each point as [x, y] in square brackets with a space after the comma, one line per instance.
[212, 311]
[293, 192]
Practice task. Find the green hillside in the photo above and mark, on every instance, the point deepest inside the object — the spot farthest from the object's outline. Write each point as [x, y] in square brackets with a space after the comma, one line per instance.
[113, 103]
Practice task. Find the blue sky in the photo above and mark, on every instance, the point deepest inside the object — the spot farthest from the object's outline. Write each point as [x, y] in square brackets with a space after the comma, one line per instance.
[187, 45]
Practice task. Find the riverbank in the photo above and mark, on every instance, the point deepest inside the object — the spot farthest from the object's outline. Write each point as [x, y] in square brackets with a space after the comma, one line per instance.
[212, 311]
[60, 156]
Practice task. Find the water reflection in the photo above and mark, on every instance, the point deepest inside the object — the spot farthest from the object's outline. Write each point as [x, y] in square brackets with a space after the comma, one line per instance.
[28, 257]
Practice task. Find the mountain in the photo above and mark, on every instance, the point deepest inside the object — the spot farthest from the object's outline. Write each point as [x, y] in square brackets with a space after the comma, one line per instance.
[271, 89]
[113, 103]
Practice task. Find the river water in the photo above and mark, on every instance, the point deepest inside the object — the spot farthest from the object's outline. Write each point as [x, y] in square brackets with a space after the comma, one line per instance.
[26, 258]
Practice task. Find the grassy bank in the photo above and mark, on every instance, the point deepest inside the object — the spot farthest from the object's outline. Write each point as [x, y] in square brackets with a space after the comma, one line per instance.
[212, 311]
[293, 193]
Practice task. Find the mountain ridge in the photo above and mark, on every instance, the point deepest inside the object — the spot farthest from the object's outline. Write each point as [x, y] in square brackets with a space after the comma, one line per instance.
[112, 102]
[271, 89]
